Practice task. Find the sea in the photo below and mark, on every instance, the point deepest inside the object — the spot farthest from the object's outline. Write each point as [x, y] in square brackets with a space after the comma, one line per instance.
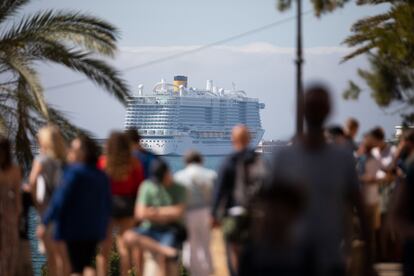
[175, 162]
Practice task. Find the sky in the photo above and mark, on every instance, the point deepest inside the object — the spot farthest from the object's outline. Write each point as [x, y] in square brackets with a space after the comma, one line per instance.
[262, 64]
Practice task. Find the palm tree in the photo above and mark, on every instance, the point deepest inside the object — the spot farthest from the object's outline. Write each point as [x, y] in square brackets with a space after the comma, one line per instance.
[388, 41]
[72, 39]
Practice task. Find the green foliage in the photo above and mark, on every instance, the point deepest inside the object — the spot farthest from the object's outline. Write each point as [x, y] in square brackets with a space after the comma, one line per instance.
[71, 39]
[319, 6]
[114, 260]
[353, 91]
[388, 41]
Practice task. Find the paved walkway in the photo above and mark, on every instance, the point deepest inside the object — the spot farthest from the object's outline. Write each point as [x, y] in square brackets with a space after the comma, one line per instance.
[219, 259]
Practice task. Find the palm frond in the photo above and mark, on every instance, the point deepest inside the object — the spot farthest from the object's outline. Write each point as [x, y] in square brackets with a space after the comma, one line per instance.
[69, 130]
[9, 8]
[23, 143]
[357, 52]
[370, 22]
[30, 77]
[97, 70]
[79, 29]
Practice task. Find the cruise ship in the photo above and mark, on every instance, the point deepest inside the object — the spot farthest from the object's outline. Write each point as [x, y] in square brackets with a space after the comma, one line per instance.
[175, 118]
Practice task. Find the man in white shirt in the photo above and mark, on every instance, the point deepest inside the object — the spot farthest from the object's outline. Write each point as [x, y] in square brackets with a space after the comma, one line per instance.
[199, 182]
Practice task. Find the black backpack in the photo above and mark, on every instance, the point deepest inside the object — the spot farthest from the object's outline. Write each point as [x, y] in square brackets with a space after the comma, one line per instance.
[250, 177]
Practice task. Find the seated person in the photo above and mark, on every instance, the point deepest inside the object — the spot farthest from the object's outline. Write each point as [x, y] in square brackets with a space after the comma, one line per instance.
[160, 206]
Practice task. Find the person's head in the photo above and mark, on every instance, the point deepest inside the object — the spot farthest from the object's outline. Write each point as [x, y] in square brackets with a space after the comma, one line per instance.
[368, 143]
[133, 136]
[408, 138]
[378, 136]
[84, 149]
[240, 137]
[335, 135]
[317, 106]
[161, 173]
[193, 157]
[352, 127]
[5, 154]
[51, 142]
[118, 155]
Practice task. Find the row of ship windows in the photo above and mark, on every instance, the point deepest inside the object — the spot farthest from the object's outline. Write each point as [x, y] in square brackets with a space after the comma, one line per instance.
[156, 141]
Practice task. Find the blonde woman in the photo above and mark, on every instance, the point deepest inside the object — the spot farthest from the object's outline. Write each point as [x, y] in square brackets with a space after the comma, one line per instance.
[44, 178]
[126, 174]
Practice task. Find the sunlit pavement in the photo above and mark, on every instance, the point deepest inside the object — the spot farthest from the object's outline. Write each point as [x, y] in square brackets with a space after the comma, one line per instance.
[219, 259]
[388, 269]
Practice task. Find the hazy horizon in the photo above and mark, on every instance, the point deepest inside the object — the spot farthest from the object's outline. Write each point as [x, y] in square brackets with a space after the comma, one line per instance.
[262, 64]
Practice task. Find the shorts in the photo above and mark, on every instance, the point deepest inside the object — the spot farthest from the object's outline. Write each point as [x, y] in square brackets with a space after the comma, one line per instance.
[165, 237]
[81, 254]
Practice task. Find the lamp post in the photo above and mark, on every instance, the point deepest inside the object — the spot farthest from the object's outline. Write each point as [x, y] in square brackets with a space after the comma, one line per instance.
[299, 62]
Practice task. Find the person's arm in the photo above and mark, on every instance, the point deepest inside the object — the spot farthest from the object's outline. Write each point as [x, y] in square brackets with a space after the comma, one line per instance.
[161, 215]
[60, 199]
[219, 189]
[34, 174]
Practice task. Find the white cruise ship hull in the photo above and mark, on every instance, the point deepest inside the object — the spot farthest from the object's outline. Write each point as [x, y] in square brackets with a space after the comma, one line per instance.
[174, 119]
[182, 144]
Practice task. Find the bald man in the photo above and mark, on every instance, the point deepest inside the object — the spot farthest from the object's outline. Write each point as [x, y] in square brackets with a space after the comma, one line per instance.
[224, 190]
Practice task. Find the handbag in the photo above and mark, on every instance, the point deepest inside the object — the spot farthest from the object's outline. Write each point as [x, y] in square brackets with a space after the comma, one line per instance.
[123, 206]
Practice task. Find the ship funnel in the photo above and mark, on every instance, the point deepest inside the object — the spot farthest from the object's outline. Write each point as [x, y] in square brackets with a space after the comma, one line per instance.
[209, 86]
[178, 81]
[140, 90]
[181, 90]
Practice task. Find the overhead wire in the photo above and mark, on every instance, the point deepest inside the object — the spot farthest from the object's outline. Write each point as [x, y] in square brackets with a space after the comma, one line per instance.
[187, 52]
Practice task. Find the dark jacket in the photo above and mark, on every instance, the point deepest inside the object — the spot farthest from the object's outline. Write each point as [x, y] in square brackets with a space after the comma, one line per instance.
[81, 205]
[223, 193]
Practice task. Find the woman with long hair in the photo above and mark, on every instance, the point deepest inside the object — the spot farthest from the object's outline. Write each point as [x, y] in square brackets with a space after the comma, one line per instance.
[44, 177]
[80, 207]
[10, 180]
[126, 174]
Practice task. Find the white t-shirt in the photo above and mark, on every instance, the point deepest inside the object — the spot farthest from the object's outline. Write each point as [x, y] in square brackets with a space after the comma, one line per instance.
[385, 156]
[199, 183]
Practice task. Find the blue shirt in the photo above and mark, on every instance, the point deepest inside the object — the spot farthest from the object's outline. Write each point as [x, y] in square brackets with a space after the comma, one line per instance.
[81, 206]
[146, 158]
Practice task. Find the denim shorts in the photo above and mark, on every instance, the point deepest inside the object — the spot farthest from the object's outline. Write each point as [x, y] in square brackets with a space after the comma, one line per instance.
[163, 236]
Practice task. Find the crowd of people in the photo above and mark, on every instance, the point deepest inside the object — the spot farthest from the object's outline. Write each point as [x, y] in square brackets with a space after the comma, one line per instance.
[323, 205]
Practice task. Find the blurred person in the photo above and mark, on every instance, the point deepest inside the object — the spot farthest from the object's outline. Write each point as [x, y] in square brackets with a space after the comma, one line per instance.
[404, 154]
[160, 206]
[276, 244]
[336, 135]
[25, 267]
[239, 177]
[126, 174]
[10, 208]
[44, 178]
[351, 131]
[80, 206]
[199, 182]
[327, 174]
[144, 156]
[369, 170]
[402, 213]
[385, 153]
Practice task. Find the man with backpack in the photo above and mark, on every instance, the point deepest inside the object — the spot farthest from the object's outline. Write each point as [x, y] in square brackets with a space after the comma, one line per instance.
[240, 177]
